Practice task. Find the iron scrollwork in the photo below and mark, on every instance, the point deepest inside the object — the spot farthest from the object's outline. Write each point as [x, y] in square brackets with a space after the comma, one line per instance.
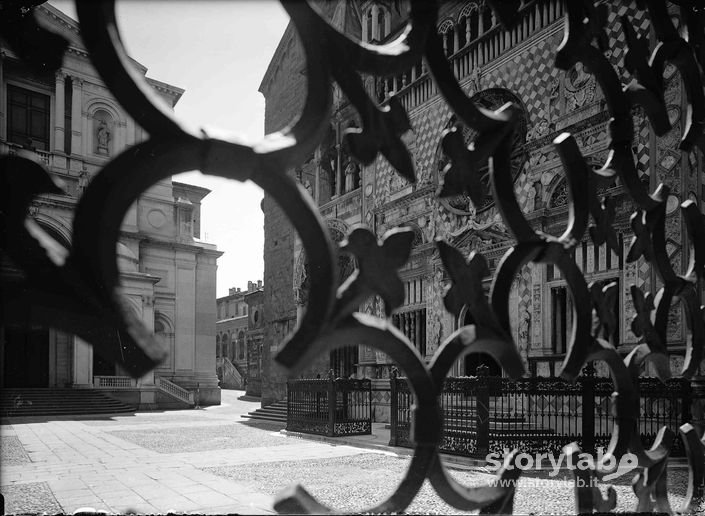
[76, 289]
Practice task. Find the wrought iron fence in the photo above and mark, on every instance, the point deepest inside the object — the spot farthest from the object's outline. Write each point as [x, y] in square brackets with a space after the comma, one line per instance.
[540, 415]
[80, 294]
[329, 406]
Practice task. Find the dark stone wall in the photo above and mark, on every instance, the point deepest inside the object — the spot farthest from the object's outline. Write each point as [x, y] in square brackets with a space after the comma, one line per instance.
[284, 88]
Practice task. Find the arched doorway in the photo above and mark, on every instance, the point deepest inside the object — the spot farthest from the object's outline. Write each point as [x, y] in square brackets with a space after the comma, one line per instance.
[32, 355]
[475, 360]
[25, 357]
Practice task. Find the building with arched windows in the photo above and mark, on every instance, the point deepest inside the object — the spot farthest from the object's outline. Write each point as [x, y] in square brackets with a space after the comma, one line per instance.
[493, 66]
[233, 324]
[70, 124]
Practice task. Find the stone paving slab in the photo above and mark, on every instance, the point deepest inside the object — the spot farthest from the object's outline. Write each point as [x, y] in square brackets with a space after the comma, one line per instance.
[86, 463]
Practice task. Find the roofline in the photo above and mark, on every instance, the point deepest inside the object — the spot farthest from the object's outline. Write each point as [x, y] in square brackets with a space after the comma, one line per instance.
[275, 57]
[74, 26]
[194, 188]
[170, 89]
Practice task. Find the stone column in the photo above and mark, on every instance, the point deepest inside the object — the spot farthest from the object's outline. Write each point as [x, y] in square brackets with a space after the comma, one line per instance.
[77, 116]
[375, 23]
[317, 181]
[338, 172]
[537, 282]
[417, 317]
[59, 102]
[82, 363]
[3, 101]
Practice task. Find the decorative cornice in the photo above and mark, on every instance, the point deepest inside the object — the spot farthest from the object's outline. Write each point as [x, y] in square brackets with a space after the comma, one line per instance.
[60, 17]
[544, 141]
[406, 199]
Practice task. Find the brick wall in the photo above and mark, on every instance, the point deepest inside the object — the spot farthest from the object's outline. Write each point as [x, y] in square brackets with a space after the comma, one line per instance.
[284, 88]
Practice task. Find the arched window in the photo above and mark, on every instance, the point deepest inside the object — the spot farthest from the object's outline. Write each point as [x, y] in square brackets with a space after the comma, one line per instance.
[241, 345]
[377, 23]
[559, 195]
[473, 25]
[381, 24]
[462, 32]
[368, 24]
[447, 32]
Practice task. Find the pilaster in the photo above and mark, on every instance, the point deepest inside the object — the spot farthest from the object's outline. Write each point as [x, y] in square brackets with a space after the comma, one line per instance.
[82, 363]
[3, 101]
[538, 272]
[59, 102]
[77, 116]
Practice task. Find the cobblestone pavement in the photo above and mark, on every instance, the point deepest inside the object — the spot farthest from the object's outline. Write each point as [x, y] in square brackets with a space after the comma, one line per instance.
[355, 483]
[214, 461]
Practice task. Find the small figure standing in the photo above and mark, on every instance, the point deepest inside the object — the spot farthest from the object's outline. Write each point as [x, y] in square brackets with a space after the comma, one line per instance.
[103, 137]
[351, 175]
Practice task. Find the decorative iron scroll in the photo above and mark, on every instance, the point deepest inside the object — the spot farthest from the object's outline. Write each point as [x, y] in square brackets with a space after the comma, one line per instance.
[76, 289]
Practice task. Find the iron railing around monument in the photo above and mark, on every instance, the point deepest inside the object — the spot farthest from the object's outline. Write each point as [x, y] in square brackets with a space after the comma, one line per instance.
[78, 289]
[329, 406]
[485, 414]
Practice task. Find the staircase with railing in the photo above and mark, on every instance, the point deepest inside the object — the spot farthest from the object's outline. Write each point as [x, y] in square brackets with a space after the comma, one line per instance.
[230, 375]
[174, 391]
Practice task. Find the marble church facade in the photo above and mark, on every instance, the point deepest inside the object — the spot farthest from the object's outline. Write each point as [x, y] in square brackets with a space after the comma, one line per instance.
[71, 124]
[494, 67]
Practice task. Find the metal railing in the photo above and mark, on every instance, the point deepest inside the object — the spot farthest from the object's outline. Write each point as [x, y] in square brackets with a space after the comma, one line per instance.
[175, 391]
[329, 406]
[114, 382]
[81, 294]
[485, 414]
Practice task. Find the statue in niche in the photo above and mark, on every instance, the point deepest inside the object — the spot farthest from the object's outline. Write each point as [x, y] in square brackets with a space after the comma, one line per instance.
[531, 198]
[83, 180]
[352, 173]
[103, 138]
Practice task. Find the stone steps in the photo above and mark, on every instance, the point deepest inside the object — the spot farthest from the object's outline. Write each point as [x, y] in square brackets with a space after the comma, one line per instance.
[274, 412]
[56, 402]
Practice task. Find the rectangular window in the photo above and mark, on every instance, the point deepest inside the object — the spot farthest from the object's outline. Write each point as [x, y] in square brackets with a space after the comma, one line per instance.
[615, 310]
[413, 325]
[28, 118]
[608, 258]
[596, 257]
[561, 313]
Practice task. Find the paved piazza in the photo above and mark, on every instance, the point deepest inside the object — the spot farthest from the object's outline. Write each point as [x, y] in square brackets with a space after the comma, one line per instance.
[215, 461]
[149, 462]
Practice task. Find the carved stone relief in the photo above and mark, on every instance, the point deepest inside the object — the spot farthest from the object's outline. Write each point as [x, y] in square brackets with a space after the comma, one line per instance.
[579, 88]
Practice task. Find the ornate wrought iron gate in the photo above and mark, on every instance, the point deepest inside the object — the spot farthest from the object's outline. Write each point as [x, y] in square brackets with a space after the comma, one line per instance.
[541, 415]
[329, 406]
[80, 294]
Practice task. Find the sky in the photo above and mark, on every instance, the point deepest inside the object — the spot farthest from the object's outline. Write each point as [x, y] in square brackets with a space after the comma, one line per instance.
[218, 51]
